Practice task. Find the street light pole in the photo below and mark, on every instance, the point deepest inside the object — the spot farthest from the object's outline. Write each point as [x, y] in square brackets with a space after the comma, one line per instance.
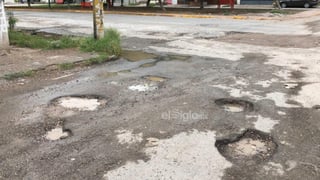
[4, 38]
[98, 26]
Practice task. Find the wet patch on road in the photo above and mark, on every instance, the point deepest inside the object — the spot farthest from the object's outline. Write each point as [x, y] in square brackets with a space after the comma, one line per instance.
[251, 147]
[170, 57]
[235, 105]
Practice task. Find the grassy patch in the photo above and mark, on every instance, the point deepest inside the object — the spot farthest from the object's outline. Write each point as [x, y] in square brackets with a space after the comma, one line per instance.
[279, 11]
[13, 76]
[97, 60]
[66, 66]
[109, 44]
[22, 39]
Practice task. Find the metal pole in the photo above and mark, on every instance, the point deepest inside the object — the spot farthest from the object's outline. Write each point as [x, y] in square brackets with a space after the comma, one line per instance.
[98, 26]
[4, 38]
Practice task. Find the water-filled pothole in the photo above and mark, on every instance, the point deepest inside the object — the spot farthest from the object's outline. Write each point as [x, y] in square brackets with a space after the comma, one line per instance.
[107, 74]
[155, 78]
[69, 105]
[234, 105]
[134, 56]
[150, 64]
[252, 146]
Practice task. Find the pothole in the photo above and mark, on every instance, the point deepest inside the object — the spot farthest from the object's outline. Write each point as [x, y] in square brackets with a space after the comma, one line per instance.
[234, 105]
[155, 78]
[146, 65]
[291, 85]
[252, 146]
[143, 87]
[57, 133]
[134, 56]
[107, 74]
[69, 105]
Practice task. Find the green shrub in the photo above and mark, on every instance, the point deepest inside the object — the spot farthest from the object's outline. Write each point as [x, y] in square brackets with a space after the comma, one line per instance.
[11, 20]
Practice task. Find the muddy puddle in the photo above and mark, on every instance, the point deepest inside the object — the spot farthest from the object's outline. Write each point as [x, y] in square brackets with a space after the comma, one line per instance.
[151, 64]
[155, 78]
[134, 56]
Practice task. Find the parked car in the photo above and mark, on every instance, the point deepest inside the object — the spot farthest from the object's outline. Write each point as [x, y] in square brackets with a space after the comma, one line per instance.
[298, 3]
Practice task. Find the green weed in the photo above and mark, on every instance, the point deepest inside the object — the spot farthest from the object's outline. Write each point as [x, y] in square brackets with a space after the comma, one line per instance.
[13, 76]
[109, 44]
[66, 66]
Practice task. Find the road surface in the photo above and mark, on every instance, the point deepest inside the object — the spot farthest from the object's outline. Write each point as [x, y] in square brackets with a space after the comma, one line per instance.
[216, 98]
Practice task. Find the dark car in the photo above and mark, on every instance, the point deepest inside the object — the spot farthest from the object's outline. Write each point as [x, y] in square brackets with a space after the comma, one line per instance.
[298, 3]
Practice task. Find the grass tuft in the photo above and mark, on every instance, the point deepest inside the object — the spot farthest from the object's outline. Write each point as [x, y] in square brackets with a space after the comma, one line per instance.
[279, 11]
[16, 75]
[97, 60]
[109, 44]
[66, 66]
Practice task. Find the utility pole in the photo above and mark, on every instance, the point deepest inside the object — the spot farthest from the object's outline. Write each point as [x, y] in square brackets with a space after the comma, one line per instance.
[98, 27]
[4, 38]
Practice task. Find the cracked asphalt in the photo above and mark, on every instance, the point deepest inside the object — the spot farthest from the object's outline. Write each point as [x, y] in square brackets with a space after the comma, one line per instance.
[160, 119]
